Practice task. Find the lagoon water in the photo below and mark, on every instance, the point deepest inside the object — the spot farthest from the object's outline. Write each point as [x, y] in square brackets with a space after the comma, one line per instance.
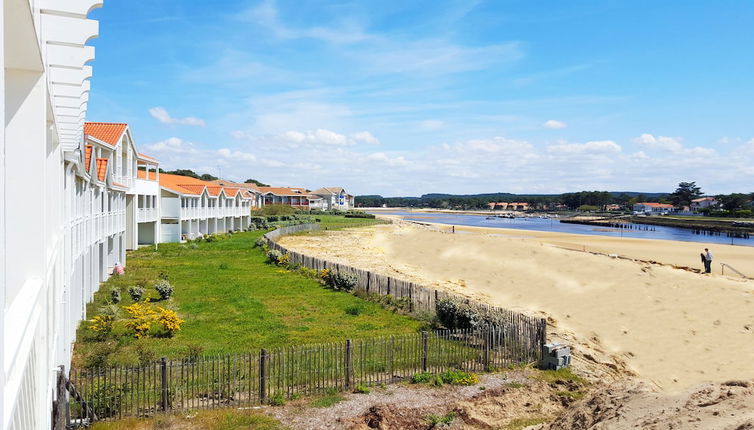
[554, 225]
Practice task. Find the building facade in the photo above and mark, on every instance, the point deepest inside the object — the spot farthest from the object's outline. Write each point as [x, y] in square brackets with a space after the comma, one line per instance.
[192, 207]
[334, 198]
[56, 210]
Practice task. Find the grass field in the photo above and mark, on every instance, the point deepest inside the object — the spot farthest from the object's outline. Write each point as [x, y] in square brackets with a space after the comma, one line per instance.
[224, 419]
[232, 301]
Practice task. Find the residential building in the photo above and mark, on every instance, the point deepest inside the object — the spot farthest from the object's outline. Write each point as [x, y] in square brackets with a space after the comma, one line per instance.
[299, 198]
[252, 189]
[138, 173]
[649, 208]
[60, 226]
[704, 203]
[333, 198]
[506, 206]
[191, 207]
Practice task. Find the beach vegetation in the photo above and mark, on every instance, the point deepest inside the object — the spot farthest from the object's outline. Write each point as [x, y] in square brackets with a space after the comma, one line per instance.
[330, 398]
[226, 311]
[439, 420]
[214, 419]
[115, 295]
[136, 292]
[164, 289]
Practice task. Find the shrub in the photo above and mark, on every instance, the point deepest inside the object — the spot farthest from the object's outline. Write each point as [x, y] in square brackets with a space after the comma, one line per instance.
[277, 209]
[459, 377]
[140, 319]
[164, 276]
[164, 289]
[284, 259]
[421, 377]
[169, 321]
[105, 399]
[361, 389]
[146, 355]
[436, 420]
[260, 243]
[115, 295]
[340, 281]
[194, 246]
[273, 256]
[277, 400]
[102, 324]
[353, 310]
[194, 351]
[453, 314]
[136, 293]
[223, 266]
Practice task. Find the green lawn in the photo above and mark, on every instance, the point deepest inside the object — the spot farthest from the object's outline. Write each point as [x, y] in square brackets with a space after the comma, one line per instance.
[232, 301]
[335, 222]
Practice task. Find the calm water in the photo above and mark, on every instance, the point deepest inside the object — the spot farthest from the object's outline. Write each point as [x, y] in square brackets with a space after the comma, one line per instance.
[540, 224]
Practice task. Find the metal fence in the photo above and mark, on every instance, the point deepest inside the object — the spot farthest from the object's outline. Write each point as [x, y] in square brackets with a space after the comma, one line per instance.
[283, 373]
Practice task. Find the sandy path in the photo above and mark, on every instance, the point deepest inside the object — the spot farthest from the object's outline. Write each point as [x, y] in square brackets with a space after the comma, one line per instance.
[672, 327]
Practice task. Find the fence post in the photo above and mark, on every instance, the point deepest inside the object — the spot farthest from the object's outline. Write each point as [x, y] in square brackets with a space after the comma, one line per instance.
[262, 375]
[349, 363]
[486, 359]
[60, 405]
[424, 351]
[164, 384]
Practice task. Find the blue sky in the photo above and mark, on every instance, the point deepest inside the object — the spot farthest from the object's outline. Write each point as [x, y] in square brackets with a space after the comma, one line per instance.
[405, 98]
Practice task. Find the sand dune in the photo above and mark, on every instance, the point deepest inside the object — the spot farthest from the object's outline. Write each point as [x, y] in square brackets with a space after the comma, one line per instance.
[672, 327]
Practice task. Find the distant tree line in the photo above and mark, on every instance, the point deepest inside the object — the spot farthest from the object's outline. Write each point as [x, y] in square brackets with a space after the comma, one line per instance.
[584, 200]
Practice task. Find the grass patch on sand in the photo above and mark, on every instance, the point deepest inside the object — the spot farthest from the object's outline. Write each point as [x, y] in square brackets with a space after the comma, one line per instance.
[232, 301]
[564, 374]
[522, 423]
[331, 397]
[223, 419]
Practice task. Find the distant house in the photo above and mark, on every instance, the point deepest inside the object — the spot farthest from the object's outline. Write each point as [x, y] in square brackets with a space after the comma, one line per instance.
[334, 198]
[612, 207]
[704, 203]
[506, 206]
[298, 198]
[652, 208]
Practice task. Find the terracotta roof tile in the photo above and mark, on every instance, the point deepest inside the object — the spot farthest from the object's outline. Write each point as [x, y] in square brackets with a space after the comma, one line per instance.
[101, 168]
[107, 132]
[142, 174]
[283, 191]
[87, 156]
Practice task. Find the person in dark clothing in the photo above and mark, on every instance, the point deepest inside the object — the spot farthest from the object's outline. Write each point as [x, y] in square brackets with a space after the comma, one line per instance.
[707, 259]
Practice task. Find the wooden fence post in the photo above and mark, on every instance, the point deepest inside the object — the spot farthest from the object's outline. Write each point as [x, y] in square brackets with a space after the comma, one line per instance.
[349, 363]
[164, 384]
[60, 405]
[262, 375]
[424, 351]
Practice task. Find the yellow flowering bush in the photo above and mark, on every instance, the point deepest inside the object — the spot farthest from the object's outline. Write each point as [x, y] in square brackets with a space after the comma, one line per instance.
[284, 259]
[102, 324]
[141, 316]
[169, 320]
[324, 273]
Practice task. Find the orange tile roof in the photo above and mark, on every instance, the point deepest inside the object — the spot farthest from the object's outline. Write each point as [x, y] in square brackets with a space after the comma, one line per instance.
[87, 157]
[656, 205]
[142, 174]
[283, 191]
[225, 183]
[101, 168]
[147, 157]
[105, 131]
[188, 185]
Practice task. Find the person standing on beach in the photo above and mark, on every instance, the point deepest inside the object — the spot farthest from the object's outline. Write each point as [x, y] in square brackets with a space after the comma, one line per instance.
[707, 260]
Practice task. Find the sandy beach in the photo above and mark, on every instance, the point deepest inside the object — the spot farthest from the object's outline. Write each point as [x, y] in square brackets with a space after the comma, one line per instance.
[671, 327]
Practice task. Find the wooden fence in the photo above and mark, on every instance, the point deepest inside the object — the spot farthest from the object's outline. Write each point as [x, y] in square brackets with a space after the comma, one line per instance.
[284, 373]
[420, 298]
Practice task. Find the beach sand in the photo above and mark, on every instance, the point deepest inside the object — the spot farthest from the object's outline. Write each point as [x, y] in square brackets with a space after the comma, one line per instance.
[671, 327]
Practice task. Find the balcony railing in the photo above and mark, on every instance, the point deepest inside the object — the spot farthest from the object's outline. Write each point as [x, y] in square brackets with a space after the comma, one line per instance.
[146, 215]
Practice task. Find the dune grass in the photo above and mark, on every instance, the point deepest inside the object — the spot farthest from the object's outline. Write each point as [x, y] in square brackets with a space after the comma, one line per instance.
[224, 419]
[232, 301]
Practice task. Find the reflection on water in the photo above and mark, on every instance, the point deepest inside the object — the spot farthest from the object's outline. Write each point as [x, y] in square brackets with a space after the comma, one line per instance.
[546, 224]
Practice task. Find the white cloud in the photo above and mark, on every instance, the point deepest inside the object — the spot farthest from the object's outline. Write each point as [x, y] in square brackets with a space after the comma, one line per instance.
[672, 144]
[554, 124]
[236, 155]
[365, 136]
[591, 147]
[162, 115]
[496, 144]
[172, 144]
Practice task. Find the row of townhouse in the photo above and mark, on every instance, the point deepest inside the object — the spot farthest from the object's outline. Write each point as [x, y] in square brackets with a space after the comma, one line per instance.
[63, 203]
[328, 198]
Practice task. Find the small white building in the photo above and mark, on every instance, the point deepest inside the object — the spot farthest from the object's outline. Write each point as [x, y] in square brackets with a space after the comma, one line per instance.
[334, 198]
[191, 207]
[704, 203]
[650, 208]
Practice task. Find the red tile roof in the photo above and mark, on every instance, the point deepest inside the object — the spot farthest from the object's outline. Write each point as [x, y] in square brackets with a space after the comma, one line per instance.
[87, 156]
[107, 132]
[101, 168]
[283, 191]
[142, 174]
[655, 205]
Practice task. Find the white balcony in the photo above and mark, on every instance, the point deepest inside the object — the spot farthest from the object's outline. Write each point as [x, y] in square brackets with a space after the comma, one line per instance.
[146, 215]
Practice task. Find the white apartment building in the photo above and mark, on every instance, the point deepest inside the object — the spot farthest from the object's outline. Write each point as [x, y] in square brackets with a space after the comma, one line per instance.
[192, 207]
[333, 198]
[59, 215]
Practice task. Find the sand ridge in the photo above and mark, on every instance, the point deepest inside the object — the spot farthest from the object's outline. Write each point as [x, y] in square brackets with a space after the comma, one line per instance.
[672, 327]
